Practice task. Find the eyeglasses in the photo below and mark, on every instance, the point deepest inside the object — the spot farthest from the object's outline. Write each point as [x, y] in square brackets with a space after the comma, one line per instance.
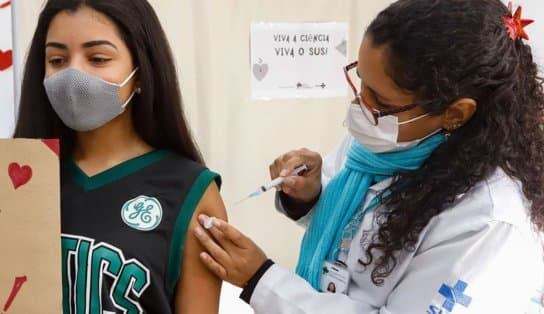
[370, 111]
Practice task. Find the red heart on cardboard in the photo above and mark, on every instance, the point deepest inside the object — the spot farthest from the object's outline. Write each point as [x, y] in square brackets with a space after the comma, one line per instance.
[19, 175]
[53, 144]
[6, 59]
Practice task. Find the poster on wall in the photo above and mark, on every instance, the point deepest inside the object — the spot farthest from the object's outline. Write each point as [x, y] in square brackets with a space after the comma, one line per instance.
[293, 60]
[7, 100]
[30, 276]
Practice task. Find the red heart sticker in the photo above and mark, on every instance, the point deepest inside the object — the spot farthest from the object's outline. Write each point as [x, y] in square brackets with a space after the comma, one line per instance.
[19, 175]
[6, 59]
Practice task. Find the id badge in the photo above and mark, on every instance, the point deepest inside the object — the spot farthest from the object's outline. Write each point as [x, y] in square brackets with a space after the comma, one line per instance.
[334, 278]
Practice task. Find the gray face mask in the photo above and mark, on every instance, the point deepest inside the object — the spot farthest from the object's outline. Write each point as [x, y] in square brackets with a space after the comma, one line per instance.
[85, 102]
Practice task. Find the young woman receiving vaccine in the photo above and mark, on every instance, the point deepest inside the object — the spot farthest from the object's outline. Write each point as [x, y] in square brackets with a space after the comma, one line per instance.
[434, 203]
[100, 76]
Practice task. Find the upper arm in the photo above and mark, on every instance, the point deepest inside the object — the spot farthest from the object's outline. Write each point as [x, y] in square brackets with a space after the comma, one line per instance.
[474, 272]
[198, 289]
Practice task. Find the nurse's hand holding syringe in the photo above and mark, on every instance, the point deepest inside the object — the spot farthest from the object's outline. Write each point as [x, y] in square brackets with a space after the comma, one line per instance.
[301, 189]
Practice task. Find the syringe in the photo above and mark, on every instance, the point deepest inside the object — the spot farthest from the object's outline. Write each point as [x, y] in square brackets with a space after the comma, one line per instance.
[272, 184]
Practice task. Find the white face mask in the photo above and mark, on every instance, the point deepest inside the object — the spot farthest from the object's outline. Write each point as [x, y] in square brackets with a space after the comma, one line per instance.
[379, 138]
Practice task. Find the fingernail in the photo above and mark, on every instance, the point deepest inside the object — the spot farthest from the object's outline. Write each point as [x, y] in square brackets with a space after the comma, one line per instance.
[199, 232]
[203, 255]
[202, 218]
[284, 173]
[209, 222]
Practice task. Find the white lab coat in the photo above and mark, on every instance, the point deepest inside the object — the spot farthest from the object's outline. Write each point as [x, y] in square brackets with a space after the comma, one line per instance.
[485, 240]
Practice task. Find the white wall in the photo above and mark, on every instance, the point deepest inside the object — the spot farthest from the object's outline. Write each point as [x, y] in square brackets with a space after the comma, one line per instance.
[534, 9]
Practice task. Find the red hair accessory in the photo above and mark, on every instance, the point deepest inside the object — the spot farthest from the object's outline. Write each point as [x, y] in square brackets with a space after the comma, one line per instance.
[515, 24]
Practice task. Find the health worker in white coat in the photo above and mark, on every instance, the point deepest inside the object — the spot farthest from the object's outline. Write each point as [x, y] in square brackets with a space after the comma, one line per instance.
[434, 203]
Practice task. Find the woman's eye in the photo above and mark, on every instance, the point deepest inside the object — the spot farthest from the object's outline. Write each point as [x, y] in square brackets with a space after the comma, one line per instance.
[99, 60]
[56, 61]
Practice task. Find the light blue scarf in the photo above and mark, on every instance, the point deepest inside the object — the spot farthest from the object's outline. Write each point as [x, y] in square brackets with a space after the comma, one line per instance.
[344, 195]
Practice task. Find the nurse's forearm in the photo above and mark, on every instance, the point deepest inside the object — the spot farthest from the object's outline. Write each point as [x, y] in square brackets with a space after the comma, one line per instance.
[279, 291]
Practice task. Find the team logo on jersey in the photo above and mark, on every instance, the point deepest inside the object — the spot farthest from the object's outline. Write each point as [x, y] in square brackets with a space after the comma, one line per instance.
[142, 213]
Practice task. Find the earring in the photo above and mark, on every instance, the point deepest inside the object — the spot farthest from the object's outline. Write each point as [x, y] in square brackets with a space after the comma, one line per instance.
[138, 90]
[453, 127]
[449, 130]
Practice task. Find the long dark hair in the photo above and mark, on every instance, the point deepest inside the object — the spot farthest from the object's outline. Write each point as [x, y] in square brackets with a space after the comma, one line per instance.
[444, 50]
[157, 112]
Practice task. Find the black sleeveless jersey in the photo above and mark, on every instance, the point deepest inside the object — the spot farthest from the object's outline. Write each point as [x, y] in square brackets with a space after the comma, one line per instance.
[123, 232]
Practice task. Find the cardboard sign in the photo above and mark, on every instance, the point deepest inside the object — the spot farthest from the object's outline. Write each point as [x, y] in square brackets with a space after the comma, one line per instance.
[30, 246]
[7, 100]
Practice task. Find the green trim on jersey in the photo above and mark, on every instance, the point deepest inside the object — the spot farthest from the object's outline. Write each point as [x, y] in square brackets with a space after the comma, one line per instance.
[115, 173]
[182, 225]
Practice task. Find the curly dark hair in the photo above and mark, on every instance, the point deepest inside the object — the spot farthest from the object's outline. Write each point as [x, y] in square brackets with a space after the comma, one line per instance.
[444, 50]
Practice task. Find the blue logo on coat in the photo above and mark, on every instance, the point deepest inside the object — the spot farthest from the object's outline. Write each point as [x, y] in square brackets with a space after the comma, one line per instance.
[454, 295]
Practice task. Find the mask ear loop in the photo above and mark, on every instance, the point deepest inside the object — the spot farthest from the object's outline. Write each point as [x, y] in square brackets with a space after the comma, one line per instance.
[133, 92]
[129, 99]
[129, 77]
[414, 119]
